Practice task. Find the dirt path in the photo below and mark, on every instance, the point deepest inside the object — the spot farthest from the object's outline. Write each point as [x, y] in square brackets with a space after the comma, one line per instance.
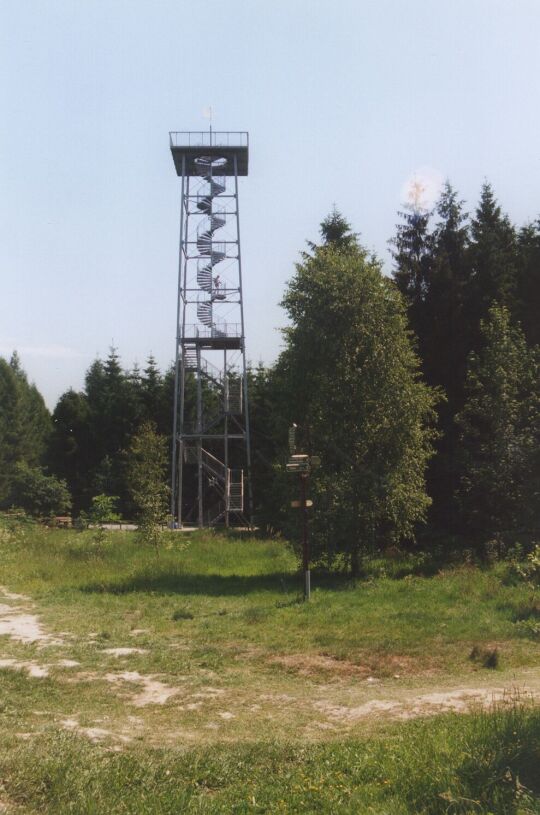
[185, 708]
[457, 698]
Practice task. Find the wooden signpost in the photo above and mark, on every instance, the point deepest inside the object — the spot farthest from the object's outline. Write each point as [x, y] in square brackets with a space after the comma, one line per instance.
[301, 464]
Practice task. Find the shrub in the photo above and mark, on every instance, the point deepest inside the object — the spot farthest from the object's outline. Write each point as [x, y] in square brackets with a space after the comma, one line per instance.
[182, 614]
[38, 494]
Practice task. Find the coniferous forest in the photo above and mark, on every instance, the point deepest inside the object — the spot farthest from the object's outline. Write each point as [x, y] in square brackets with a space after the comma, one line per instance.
[420, 393]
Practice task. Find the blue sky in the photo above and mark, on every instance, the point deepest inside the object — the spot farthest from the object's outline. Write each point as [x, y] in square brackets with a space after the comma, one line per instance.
[344, 102]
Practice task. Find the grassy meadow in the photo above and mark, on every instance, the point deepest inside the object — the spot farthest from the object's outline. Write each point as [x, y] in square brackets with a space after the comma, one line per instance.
[196, 680]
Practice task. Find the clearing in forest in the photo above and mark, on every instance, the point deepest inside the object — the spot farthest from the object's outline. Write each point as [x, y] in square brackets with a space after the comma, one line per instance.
[208, 644]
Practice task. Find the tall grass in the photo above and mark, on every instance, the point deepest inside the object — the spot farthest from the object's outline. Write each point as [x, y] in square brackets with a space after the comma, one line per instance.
[485, 763]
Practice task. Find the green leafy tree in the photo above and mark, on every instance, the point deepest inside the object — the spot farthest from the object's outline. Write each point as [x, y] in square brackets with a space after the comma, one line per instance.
[147, 474]
[350, 380]
[103, 510]
[499, 494]
[268, 430]
[40, 495]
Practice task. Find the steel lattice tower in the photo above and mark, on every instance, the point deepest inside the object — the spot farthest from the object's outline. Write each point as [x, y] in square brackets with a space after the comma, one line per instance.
[211, 466]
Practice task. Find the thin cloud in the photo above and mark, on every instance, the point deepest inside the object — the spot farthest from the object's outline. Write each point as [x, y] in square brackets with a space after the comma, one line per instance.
[43, 351]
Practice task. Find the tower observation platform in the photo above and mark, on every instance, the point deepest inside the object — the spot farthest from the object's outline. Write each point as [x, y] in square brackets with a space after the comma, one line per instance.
[211, 464]
[230, 146]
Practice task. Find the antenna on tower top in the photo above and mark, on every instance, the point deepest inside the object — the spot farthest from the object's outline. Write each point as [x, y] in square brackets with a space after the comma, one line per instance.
[207, 113]
[416, 194]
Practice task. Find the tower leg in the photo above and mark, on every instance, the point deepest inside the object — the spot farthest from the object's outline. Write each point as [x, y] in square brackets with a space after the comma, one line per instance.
[199, 443]
[244, 366]
[174, 484]
[226, 404]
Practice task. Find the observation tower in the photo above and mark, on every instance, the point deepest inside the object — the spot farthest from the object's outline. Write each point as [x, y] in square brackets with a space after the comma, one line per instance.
[211, 465]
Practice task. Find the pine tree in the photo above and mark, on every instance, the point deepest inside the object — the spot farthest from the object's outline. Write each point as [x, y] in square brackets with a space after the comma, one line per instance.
[528, 285]
[413, 258]
[445, 344]
[33, 418]
[337, 232]
[499, 494]
[447, 337]
[493, 258]
[70, 452]
[115, 413]
[152, 394]
[9, 427]
[25, 425]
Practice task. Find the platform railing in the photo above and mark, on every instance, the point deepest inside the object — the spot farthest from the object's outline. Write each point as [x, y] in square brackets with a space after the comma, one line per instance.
[206, 138]
[195, 330]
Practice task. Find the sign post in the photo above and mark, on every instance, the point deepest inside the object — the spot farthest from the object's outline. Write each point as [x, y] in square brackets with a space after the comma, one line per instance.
[305, 540]
[301, 464]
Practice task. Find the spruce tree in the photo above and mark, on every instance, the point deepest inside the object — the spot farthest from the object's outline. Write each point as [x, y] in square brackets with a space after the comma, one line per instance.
[9, 427]
[412, 250]
[336, 231]
[493, 258]
[33, 419]
[70, 452]
[445, 344]
[528, 283]
[499, 494]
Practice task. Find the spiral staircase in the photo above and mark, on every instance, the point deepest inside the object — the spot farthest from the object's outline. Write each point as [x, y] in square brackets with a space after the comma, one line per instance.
[226, 483]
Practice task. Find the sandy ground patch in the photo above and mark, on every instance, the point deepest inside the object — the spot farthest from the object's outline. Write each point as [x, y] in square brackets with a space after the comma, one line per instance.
[11, 595]
[154, 691]
[343, 712]
[95, 734]
[32, 668]
[19, 624]
[409, 706]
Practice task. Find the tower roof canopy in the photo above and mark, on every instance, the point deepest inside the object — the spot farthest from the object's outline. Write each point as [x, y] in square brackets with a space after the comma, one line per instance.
[193, 145]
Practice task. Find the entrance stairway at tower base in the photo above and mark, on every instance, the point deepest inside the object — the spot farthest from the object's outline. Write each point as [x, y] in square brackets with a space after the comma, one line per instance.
[228, 482]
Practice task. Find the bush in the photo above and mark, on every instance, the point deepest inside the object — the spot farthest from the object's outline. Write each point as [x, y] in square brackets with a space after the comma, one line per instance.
[103, 510]
[38, 494]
